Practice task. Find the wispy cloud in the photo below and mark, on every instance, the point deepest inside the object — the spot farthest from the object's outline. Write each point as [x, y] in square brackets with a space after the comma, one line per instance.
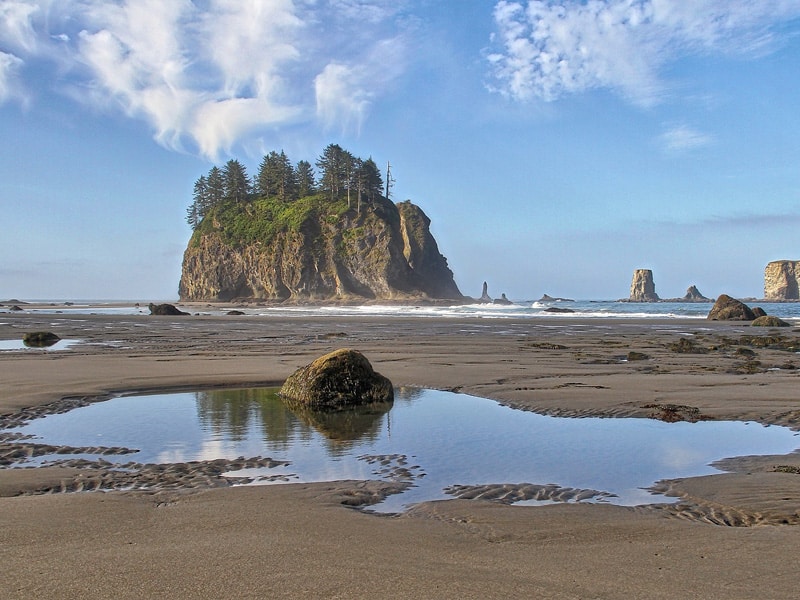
[9, 67]
[681, 138]
[549, 48]
[208, 74]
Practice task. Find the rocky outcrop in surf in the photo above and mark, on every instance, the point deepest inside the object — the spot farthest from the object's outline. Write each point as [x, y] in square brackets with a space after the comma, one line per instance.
[782, 280]
[643, 288]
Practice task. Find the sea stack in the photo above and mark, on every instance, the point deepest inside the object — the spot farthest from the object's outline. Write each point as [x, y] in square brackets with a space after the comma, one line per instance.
[694, 295]
[643, 289]
[316, 249]
[782, 280]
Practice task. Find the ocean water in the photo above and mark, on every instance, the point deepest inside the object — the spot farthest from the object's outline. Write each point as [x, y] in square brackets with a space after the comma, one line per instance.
[520, 309]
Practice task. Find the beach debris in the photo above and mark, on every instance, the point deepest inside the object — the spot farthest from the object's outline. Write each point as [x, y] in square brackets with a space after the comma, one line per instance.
[687, 346]
[165, 310]
[40, 339]
[727, 308]
[337, 380]
[674, 413]
[769, 321]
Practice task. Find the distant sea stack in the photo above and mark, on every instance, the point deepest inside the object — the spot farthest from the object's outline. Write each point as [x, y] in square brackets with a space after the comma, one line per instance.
[643, 289]
[694, 295]
[315, 249]
[782, 280]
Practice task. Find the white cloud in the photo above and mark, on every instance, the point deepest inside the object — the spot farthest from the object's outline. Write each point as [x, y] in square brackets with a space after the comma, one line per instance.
[9, 65]
[344, 92]
[213, 73]
[682, 137]
[16, 30]
[548, 49]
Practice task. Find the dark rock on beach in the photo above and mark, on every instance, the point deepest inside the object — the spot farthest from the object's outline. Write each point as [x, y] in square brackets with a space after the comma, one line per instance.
[769, 321]
[730, 309]
[165, 310]
[337, 380]
[40, 339]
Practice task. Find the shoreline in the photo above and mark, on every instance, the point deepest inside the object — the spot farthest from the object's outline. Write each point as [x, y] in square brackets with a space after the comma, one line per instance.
[572, 367]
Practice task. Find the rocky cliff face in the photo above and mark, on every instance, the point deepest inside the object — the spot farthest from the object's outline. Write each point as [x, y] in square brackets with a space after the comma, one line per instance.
[643, 289]
[782, 280]
[382, 252]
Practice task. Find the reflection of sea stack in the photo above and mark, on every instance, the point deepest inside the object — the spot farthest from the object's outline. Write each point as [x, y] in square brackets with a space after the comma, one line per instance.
[643, 289]
[782, 280]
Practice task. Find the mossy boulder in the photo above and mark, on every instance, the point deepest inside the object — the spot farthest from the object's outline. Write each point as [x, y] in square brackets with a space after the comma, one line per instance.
[40, 339]
[769, 321]
[730, 309]
[337, 380]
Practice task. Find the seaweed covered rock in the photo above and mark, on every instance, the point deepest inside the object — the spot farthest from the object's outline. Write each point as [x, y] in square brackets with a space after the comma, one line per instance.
[40, 339]
[730, 309]
[769, 321]
[337, 380]
[165, 310]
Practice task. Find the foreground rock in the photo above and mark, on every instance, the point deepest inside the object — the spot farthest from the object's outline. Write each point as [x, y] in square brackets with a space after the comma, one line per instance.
[730, 309]
[643, 289]
[782, 280]
[337, 380]
[165, 310]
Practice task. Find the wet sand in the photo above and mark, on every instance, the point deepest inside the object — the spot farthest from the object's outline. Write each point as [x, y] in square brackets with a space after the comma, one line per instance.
[732, 535]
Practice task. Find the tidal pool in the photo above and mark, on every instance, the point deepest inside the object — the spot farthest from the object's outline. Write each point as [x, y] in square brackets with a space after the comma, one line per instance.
[429, 440]
[6, 345]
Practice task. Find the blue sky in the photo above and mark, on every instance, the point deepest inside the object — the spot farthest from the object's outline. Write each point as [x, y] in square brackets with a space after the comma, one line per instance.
[556, 146]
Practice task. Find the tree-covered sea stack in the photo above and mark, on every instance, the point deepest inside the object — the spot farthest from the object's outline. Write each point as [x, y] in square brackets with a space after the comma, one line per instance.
[288, 234]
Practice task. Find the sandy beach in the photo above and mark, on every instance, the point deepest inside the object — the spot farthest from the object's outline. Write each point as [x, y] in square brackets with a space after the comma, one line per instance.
[732, 535]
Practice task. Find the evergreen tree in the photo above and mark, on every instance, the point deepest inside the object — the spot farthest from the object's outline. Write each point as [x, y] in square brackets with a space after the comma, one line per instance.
[287, 184]
[236, 181]
[304, 174]
[200, 204]
[276, 177]
[264, 184]
[215, 187]
[371, 180]
[332, 170]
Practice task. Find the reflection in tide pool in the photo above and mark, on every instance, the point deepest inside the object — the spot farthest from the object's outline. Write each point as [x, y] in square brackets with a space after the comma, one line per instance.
[432, 439]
